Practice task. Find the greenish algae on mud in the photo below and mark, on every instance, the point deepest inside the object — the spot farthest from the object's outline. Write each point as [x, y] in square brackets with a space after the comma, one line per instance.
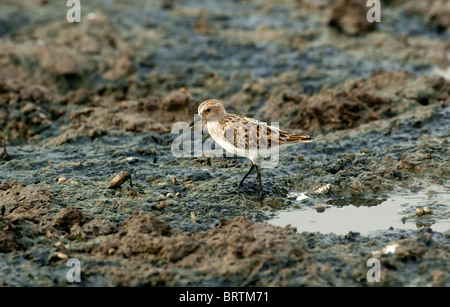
[84, 102]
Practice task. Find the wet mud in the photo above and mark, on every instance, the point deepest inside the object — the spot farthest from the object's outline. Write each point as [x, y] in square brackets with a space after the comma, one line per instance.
[82, 103]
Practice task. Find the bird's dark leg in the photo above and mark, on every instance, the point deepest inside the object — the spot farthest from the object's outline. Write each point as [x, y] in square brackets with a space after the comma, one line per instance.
[251, 169]
[261, 192]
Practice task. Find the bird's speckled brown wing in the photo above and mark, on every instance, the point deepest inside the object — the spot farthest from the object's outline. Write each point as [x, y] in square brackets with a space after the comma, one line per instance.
[247, 133]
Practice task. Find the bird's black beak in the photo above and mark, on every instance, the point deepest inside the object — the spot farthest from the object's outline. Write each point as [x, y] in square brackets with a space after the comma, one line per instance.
[196, 120]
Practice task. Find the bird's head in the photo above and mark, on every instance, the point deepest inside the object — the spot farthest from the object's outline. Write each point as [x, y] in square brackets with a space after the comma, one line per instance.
[211, 109]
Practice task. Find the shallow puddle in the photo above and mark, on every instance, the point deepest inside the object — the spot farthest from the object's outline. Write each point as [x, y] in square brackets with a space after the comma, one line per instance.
[398, 211]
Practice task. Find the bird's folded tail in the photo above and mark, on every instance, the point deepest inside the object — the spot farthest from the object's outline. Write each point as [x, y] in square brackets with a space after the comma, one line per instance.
[299, 138]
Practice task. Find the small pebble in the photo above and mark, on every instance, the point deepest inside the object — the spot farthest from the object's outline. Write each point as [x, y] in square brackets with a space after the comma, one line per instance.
[419, 212]
[356, 186]
[324, 189]
[61, 255]
[61, 179]
[119, 180]
[193, 218]
[427, 210]
[320, 208]
[71, 181]
[161, 205]
[130, 160]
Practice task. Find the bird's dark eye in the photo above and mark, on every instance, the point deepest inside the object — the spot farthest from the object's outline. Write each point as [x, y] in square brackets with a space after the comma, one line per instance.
[208, 110]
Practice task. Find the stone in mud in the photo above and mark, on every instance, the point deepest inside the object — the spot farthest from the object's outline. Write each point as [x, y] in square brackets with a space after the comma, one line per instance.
[427, 210]
[419, 212]
[356, 186]
[119, 179]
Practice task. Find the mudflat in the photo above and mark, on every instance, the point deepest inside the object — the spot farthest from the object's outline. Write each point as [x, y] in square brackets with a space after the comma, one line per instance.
[82, 102]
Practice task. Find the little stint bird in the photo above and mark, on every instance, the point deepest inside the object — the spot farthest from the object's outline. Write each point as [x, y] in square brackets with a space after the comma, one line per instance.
[245, 137]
